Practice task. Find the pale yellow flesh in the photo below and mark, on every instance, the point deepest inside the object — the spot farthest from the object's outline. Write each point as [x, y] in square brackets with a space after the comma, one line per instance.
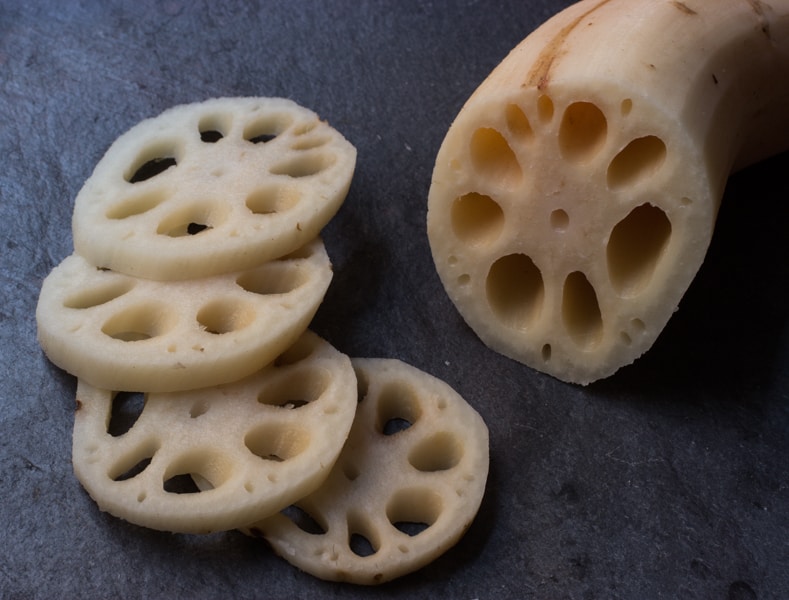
[246, 180]
[255, 445]
[119, 332]
[574, 196]
[432, 473]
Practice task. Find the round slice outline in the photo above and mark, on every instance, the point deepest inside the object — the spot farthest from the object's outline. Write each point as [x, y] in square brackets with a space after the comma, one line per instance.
[124, 333]
[253, 446]
[211, 187]
[433, 473]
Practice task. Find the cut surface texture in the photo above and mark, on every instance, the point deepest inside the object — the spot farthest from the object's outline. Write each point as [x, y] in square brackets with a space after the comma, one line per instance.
[575, 194]
[218, 458]
[212, 187]
[406, 486]
[118, 332]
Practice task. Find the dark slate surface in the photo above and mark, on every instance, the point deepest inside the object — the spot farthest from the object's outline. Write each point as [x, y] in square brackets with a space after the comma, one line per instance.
[666, 481]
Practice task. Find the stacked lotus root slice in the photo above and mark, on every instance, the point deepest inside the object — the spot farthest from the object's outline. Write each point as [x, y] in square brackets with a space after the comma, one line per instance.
[197, 269]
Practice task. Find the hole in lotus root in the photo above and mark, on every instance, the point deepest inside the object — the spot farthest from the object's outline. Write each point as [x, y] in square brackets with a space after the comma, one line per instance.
[349, 469]
[360, 545]
[515, 290]
[126, 409]
[272, 199]
[560, 220]
[477, 218]
[518, 122]
[191, 220]
[300, 350]
[309, 143]
[581, 311]
[412, 510]
[439, 452]
[545, 108]
[152, 160]
[395, 425]
[304, 520]
[135, 470]
[582, 132]
[398, 409]
[273, 278]
[196, 471]
[637, 161]
[267, 127]
[195, 228]
[136, 204]
[140, 322]
[211, 136]
[636, 244]
[304, 165]
[277, 442]
[133, 463]
[298, 388]
[198, 409]
[305, 128]
[362, 537]
[225, 316]
[181, 484]
[213, 128]
[493, 157]
[152, 168]
[89, 297]
[202, 484]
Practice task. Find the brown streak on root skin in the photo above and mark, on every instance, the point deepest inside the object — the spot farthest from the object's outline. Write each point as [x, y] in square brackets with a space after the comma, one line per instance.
[758, 8]
[684, 8]
[539, 75]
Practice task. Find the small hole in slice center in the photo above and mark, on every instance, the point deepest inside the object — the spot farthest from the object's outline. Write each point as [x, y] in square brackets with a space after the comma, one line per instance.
[560, 220]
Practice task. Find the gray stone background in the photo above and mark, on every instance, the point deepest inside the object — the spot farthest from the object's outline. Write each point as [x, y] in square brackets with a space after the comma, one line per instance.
[667, 480]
